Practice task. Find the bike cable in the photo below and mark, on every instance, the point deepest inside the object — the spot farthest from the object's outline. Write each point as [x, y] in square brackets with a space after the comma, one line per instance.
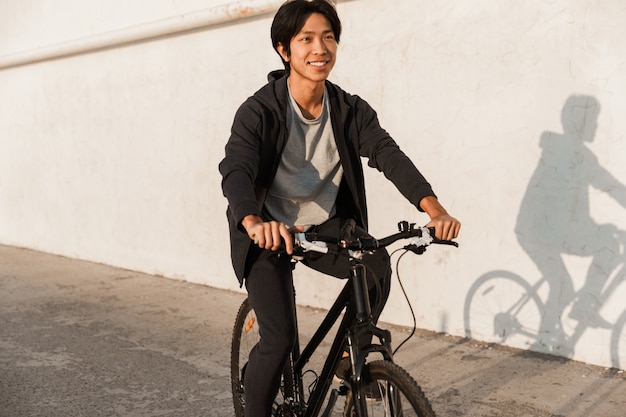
[406, 297]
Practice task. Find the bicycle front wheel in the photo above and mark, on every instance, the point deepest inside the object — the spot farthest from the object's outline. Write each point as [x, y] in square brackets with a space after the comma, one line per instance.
[389, 391]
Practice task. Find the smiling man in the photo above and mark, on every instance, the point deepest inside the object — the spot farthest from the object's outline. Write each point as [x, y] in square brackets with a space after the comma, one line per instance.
[293, 162]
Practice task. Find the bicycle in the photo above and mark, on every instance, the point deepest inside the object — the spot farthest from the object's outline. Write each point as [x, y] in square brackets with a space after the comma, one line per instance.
[397, 392]
[502, 307]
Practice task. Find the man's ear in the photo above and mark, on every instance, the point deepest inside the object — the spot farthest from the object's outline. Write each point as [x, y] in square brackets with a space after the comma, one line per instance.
[281, 51]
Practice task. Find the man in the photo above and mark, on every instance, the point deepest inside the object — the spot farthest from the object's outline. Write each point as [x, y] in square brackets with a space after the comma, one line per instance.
[293, 162]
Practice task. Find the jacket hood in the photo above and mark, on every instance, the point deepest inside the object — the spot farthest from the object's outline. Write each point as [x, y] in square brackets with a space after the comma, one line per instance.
[273, 95]
[276, 74]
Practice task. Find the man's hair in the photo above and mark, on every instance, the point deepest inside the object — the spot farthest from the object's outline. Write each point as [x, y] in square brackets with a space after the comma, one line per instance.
[291, 17]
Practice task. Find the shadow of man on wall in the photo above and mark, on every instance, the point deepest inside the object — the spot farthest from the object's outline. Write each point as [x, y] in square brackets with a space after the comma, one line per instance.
[555, 220]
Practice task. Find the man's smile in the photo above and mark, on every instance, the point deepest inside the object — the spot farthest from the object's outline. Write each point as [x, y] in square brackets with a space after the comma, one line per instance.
[318, 63]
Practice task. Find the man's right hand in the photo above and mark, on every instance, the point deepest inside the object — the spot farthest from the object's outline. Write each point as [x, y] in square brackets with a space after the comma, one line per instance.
[269, 235]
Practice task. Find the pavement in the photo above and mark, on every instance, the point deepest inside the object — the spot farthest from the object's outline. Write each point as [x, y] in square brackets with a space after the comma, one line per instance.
[84, 339]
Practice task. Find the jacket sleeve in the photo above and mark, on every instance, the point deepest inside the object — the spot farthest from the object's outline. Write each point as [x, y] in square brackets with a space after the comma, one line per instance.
[240, 166]
[384, 154]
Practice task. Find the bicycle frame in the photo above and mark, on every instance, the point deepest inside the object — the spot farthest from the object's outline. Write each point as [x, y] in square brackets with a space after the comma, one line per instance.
[346, 337]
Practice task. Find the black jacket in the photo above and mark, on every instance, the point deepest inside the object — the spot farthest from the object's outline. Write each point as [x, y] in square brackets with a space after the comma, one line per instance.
[258, 138]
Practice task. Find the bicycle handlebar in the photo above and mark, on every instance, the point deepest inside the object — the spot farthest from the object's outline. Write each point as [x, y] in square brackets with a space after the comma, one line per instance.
[420, 238]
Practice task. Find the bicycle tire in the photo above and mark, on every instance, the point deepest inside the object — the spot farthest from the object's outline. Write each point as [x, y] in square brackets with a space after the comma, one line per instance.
[398, 393]
[244, 338]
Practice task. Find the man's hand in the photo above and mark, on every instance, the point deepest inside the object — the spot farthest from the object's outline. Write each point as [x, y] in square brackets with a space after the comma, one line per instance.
[446, 226]
[269, 235]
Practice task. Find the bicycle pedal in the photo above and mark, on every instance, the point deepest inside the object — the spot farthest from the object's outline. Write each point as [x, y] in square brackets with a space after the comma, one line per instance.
[343, 390]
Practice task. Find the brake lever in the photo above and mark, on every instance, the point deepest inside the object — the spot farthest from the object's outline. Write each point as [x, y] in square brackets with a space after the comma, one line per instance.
[418, 250]
[446, 242]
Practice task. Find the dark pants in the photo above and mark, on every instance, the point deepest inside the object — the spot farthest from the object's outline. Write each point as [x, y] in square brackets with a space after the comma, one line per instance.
[270, 292]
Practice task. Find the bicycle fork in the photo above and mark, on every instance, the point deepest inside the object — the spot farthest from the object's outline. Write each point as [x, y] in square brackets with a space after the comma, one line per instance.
[363, 329]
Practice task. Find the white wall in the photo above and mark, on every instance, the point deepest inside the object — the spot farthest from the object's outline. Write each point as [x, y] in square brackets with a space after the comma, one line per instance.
[112, 156]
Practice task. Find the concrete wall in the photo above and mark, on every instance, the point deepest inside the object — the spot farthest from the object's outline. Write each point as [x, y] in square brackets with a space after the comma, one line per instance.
[111, 155]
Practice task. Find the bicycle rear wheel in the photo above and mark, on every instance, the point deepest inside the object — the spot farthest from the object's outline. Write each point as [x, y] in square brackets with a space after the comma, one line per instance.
[390, 392]
[245, 337]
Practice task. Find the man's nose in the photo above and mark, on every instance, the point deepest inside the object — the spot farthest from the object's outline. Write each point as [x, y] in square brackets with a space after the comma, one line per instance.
[320, 46]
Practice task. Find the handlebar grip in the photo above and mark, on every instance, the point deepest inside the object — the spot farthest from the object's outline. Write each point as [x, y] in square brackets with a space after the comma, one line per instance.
[431, 230]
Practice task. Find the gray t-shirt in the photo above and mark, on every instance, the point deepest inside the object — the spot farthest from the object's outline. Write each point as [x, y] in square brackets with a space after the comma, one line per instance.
[307, 181]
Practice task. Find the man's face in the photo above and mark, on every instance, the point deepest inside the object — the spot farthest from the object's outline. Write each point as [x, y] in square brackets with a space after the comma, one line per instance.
[313, 50]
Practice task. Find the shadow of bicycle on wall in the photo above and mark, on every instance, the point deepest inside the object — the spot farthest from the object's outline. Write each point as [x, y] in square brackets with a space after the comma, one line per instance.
[554, 222]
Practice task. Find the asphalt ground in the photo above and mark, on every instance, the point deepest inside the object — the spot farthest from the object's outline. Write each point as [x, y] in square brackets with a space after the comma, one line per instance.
[84, 339]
